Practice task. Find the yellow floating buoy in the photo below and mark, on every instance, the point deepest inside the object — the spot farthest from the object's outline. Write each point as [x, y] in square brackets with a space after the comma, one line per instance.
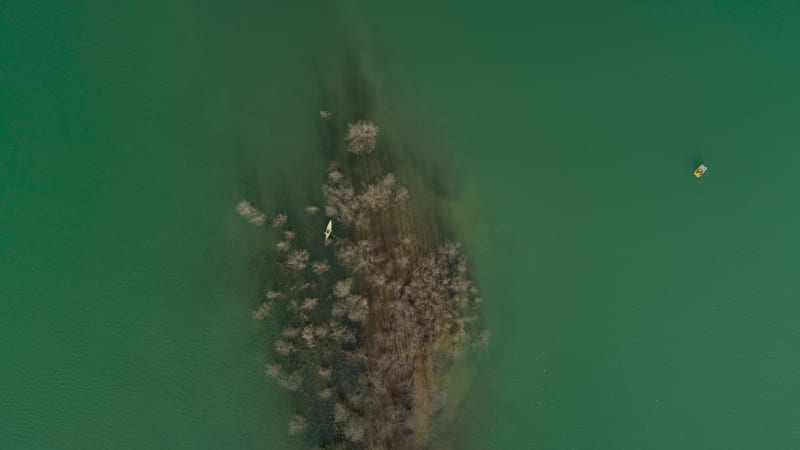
[700, 171]
[329, 229]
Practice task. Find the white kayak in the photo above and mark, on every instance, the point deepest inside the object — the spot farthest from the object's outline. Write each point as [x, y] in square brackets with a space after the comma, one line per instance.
[329, 229]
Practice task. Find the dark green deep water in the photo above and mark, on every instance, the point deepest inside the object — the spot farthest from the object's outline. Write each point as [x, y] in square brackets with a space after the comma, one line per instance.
[632, 306]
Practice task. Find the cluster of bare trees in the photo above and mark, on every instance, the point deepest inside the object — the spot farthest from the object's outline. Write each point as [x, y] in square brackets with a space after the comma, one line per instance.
[369, 320]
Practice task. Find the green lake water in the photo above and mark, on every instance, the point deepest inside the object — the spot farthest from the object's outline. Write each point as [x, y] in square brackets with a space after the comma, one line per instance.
[631, 305]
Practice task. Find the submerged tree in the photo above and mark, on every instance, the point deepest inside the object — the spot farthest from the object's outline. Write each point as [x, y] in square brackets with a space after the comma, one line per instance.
[371, 321]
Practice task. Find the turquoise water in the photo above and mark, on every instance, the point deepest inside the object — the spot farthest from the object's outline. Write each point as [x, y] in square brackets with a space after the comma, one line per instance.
[632, 306]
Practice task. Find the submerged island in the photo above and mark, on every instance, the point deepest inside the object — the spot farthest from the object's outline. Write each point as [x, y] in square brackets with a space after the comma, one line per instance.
[370, 318]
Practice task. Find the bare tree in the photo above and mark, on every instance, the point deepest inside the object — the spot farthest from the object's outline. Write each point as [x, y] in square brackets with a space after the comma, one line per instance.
[297, 425]
[309, 303]
[290, 382]
[249, 212]
[273, 370]
[298, 259]
[284, 347]
[362, 137]
[279, 220]
[325, 394]
[263, 311]
[320, 267]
